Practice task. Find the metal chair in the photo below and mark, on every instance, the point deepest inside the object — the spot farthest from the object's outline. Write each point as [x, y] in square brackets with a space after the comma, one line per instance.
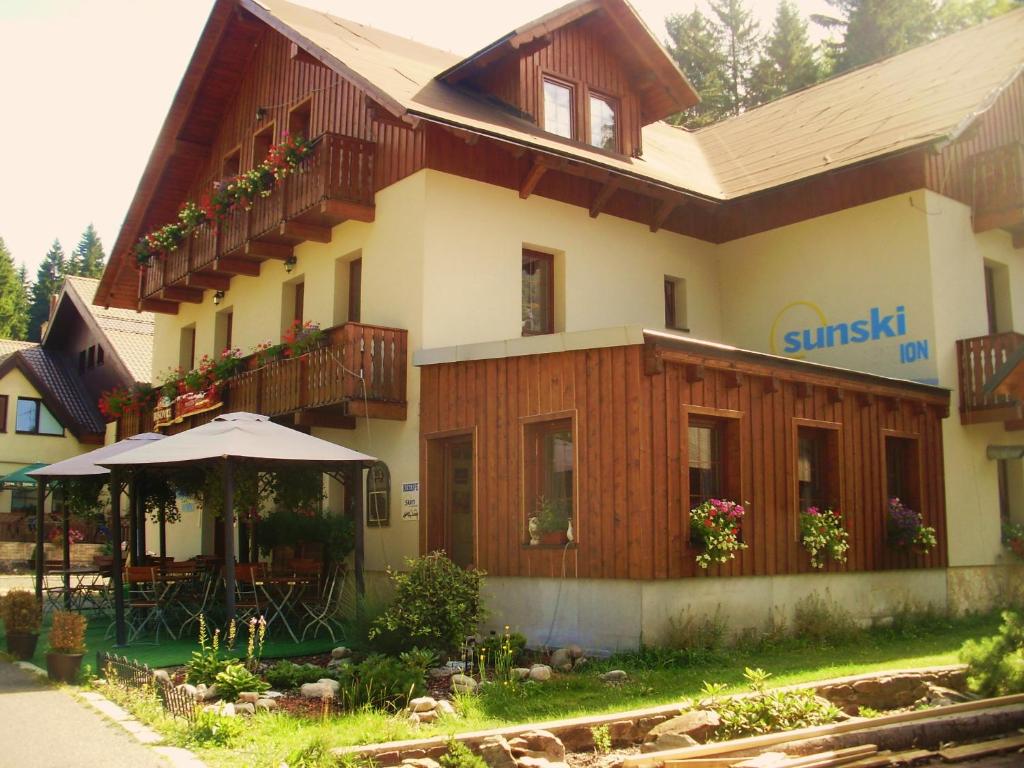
[247, 594]
[322, 611]
[143, 606]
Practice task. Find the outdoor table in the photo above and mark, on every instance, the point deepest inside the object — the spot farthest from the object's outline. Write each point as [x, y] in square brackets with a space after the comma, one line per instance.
[289, 590]
[166, 587]
[77, 594]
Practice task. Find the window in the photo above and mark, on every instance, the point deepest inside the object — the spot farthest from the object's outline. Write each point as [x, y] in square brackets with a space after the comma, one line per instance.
[549, 466]
[3, 413]
[902, 476]
[558, 117]
[675, 303]
[232, 165]
[707, 470]
[34, 418]
[603, 128]
[299, 119]
[261, 144]
[538, 305]
[300, 300]
[23, 500]
[99, 355]
[187, 348]
[817, 467]
[997, 298]
[223, 330]
[81, 361]
[91, 358]
[355, 289]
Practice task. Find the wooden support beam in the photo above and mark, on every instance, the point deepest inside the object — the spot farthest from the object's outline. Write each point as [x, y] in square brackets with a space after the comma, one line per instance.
[302, 231]
[206, 280]
[533, 177]
[237, 266]
[343, 211]
[378, 410]
[181, 293]
[662, 212]
[771, 385]
[324, 417]
[803, 390]
[653, 362]
[159, 305]
[1010, 412]
[607, 191]
[259, 250]
[732, 379]
[694, 373]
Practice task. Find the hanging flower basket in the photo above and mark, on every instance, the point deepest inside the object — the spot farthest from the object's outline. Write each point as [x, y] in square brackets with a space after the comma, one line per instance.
[823, 535]
[906, 531]
[715, 529]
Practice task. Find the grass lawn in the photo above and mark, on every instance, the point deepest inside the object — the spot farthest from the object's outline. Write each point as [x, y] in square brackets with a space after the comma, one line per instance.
[654, 679]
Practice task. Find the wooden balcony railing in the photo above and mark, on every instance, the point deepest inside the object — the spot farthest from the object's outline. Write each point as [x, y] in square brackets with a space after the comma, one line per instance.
[334, 183]
[978, 359]
[998, 188]
[360, 370]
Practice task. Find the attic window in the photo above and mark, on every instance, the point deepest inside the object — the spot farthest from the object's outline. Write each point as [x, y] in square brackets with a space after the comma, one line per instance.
[299, 119]
[232, 165]
[603, 123]
[558, 98]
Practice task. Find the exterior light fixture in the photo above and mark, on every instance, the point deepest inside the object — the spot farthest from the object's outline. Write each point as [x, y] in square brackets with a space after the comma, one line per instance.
[217, 297]
[289, 264]
[261, 112]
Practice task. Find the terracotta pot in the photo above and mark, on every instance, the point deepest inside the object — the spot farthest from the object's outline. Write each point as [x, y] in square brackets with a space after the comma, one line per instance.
[557, 538]
[63, 667]
[22, 645]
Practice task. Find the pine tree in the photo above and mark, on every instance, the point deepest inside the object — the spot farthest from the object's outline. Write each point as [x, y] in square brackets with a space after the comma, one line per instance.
[88, 257]
[696, 45]
[787, 62]
[22, 304]
[954, 15]
[49, 278]
[875, 29]
[13, 314]
[740, 42]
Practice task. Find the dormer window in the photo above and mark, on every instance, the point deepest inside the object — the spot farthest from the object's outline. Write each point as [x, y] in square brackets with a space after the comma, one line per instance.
[603, 123]
[558, 98]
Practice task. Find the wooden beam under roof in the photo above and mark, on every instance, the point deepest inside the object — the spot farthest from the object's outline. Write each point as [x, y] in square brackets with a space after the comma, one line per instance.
[258, 249]
[158, 305]
[305, 231]
[663, 211]
[237, 266]
[181, 293]
[533, 176]
[604, 195]
[206, 280]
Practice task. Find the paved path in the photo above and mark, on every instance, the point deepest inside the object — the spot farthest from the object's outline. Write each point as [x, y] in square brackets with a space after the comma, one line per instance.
[43, 727]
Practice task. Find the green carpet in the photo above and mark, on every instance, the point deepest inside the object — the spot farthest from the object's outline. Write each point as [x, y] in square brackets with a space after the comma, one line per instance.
[170, 652]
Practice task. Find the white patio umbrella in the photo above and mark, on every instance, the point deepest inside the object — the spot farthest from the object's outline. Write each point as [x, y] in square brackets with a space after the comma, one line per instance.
[85, 465]
[249, 438]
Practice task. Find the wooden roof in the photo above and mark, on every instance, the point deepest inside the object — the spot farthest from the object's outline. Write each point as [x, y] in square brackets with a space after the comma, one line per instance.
[925, 96]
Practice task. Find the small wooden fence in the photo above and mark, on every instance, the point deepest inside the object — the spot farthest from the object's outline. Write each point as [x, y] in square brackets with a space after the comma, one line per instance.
[131, 674]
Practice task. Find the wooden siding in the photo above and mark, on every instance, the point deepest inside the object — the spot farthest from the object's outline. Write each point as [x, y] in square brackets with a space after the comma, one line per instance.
[631, 480]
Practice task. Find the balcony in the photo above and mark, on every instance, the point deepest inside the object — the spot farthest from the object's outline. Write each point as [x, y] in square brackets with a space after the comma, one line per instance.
[333, 184]
[998, 191]
[360, 370]
[980, 362]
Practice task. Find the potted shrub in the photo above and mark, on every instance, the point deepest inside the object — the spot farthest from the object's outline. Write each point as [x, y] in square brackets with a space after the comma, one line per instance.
[22, 617]
[715, 529]
[905, 529]
[552, 522]
[823, 535]
[67, 646]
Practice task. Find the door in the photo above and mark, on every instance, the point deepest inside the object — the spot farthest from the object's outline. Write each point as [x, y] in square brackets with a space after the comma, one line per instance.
[458, 501]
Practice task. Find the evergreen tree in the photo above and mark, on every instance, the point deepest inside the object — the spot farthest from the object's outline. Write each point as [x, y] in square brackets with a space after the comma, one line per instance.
[696, 45]
[740, 42]
[49, 278]
[13, 309]
[875, 29]
[88, 257]
[955, 15]
[22, 304]
[787, 62]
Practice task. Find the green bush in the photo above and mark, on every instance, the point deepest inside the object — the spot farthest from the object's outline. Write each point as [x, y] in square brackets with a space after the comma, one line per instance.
[316, 754]
[493, 646]
[766, 711]
[208, 661]
[995, 665]
[437, 605]
[286, 675]
[460, 756]
[211, 729]
[235, 678]
[820, 622]
[381, 681]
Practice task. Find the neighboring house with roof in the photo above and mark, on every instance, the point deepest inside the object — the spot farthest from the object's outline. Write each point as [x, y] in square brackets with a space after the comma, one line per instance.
[540, 295]
[49, 391]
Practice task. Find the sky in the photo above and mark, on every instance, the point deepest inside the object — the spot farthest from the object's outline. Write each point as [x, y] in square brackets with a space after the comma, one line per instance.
[86, 85]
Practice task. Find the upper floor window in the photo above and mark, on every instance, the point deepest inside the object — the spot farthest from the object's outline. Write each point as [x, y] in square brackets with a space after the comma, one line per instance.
[603, 124]
[232, 165]
[300, 119]
[675, 303]
[3, 413]
[538, 300]
[99, 355]
[558, 99]
[187, 348]
[34, 418]
[355, 290]
[92, 358]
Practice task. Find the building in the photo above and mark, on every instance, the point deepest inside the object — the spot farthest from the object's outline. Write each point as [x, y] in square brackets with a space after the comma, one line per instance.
[49, 393]
[537, 290]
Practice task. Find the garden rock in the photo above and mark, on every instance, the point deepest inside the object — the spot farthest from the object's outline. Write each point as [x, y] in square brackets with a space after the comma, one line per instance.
[615, 677]
[421, 762]
[445, 708]
[209, 692]
[575, 651]
[520, 673]
[540, 762]
[161, 676]
[189, 690]
[428, 717]
[562, 660]
[540, 673]
[266, 705]
[543, 744]
[341, 652]
[698, 724]
[422, 704]
[496, 752]
[463, 684]
[315, 691]
[245, 708]
[272, 695]
[339, 663]
[332, 686]
[438, 672]
[224, 709]
[668, 741]
[943, 697]
[248, 697]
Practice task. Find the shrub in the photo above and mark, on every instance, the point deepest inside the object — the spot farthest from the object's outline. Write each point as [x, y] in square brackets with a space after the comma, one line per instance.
[316, 754]
[819, 622]
[602, 738]
[508, 643]
[67, 632]
[380, 681]
[235, 678]
[207, 662]
[767, 711]
[286, 675]
[697, 636]
[995, 665]
[211, 729]
[437, 604]
[460, 756]
[20, 612]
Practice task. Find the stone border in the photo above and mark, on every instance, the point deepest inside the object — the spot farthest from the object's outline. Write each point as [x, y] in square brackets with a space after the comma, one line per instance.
[623, 727]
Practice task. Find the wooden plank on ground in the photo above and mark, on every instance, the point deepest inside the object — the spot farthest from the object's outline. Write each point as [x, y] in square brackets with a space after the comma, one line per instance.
[818, 760]
[972, 751]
